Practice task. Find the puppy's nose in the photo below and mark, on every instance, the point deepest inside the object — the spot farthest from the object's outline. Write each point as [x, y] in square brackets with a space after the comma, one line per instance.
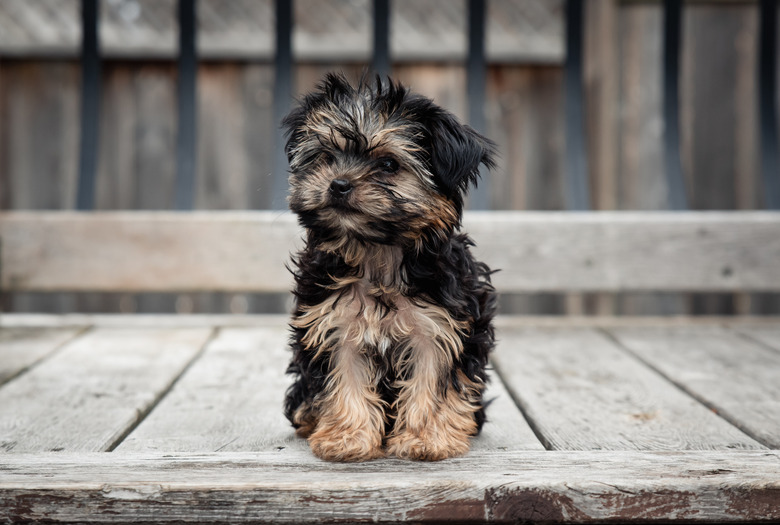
[340, 187]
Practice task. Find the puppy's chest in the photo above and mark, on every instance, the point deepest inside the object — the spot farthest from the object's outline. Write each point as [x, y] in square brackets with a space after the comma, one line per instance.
[381, 313]
[381, 317]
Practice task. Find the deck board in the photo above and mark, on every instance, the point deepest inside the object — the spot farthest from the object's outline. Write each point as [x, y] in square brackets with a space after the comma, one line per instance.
[737, 378]
[21, 348]
[193, 403]
[506, 428]
[285, 487]
[229, 400]
[583, 393]
[90, 393]
[769, 336]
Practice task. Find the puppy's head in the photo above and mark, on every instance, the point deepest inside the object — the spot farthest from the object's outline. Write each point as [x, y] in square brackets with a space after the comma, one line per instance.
[376, 164]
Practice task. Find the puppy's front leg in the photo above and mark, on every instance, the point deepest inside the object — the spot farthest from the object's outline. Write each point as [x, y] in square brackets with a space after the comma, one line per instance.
[435, 415]
[352, 419]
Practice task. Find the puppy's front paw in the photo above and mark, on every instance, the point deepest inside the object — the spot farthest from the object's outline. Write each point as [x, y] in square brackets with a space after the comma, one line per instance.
[427, 446]
[336, 444]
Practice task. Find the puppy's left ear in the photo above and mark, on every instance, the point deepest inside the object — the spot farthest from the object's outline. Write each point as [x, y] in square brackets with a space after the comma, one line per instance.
[457, 151]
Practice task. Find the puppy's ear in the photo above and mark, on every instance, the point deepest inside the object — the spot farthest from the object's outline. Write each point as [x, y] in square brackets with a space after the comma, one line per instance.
[457, 151]
[293, 125]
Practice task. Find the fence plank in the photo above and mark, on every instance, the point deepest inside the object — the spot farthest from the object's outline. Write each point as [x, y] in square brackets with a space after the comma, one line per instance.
[44, 410]
[673, 13]
[582, 393]
[187, 128]
[577, 188]
[247, 252]
[770, 136]
[630, 251]
[90, 104]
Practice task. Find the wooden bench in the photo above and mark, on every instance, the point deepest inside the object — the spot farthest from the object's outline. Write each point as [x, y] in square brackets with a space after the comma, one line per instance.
[177, 418]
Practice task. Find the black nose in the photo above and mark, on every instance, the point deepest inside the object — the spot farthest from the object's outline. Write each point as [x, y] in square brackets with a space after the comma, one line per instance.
[340, 187]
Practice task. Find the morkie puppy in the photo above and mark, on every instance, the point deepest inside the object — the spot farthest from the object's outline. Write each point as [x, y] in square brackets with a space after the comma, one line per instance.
[392, 324]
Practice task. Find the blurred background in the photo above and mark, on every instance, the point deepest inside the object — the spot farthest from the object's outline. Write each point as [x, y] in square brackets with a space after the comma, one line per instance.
[523, 93]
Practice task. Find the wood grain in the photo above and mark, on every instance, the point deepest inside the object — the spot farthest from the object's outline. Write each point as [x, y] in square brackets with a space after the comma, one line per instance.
[230, 399]
[147, 251]
[768, 335]
[740, 380]
[536, 252]
[581, 392]
[21, 348]
[506, 428]
[94, 390]
[283, 487]
[619, 251]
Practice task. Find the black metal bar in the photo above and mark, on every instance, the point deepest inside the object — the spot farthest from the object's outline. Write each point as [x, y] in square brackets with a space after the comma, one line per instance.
[576, 168]
[186, 152]
[90, 105]
[476, 72]
[767, 85]
[678, 195]
[282, 97]
[381, 57]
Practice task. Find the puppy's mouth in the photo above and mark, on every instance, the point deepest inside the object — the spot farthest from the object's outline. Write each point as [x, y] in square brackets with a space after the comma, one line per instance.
[343, 207]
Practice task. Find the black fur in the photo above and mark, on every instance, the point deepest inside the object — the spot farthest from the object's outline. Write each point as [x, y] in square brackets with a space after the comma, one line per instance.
[438, 269]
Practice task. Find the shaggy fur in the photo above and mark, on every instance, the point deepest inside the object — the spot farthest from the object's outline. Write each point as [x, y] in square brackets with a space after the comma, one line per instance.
[392, 324]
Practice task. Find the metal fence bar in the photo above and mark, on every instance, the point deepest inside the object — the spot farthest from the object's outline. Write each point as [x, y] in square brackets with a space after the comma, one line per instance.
[186, 146]
[282, 96]
[381, 54]
[576, 190]
[678, 195]
[767, 85]
[476, 72]
[90, 105]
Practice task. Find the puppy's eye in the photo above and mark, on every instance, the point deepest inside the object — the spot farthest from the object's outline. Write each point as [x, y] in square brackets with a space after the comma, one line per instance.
[387, 165]
[327, 158]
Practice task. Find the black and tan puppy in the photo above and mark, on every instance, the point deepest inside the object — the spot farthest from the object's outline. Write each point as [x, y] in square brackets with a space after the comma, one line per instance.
[392, 325]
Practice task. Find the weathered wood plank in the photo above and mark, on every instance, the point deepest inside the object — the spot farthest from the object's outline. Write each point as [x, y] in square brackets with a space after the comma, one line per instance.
[147, 251]
[737, 378]
[506, 428]
[768, 335]
[21, 348]
[94, 390]
[247, 251]
[142, 321]
[581, 392]
[231, 400]
[582, 487]
[620, 251]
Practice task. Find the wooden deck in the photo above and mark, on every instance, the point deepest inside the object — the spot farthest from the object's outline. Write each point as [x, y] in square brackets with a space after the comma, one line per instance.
[178, 419]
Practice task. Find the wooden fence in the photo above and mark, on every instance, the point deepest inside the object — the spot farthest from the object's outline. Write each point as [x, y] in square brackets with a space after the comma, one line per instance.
[236, 144]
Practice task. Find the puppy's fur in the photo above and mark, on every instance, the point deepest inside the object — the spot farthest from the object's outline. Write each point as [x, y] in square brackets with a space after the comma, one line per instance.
[392, 324]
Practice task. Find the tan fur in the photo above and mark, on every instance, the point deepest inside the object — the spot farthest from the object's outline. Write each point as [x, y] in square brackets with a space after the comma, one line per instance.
[352, 419]
[429, 424]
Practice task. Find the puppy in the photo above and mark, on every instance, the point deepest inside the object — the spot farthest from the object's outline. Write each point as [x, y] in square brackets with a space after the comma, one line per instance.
[392, 324]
